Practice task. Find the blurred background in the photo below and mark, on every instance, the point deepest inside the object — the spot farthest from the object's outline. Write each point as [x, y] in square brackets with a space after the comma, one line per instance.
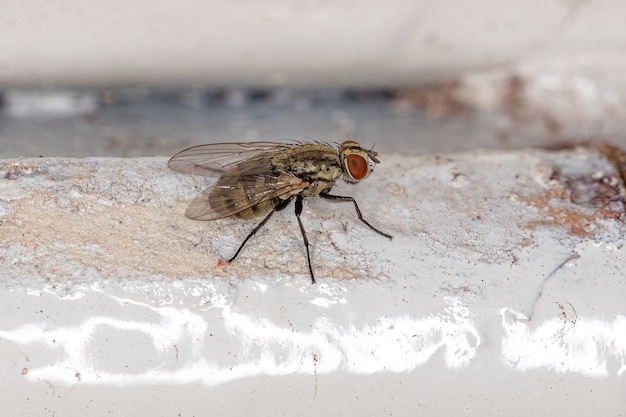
[145, 78]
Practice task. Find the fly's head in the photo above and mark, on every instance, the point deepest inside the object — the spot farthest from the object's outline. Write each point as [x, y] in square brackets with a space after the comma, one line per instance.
[356, 161]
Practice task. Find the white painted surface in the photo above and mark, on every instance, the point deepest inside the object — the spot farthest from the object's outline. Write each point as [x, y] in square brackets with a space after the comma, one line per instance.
[498, 294]
[400, 42]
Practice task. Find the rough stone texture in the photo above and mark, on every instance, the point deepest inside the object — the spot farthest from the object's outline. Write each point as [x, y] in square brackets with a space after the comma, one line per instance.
[502, 291]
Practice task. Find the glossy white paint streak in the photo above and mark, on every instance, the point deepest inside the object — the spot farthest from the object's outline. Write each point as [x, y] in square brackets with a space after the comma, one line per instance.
[585, 346]
[256, 345]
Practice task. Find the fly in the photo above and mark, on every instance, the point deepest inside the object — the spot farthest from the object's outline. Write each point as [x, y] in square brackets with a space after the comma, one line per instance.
[260, 178]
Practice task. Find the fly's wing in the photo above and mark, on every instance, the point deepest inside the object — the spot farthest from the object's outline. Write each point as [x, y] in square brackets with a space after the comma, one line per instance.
[225, 158]
[248, 178]
[233, 194]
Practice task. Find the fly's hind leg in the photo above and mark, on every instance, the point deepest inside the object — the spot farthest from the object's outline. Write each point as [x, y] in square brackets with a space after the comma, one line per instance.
[279, 207]
[342, 198]
[306, 241]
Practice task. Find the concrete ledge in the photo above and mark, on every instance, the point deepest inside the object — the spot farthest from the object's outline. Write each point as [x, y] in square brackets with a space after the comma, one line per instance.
[502, 292]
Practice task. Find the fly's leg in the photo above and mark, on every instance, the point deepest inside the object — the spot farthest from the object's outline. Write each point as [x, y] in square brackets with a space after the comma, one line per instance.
[306, 241]
[342, 198]
[279, 207]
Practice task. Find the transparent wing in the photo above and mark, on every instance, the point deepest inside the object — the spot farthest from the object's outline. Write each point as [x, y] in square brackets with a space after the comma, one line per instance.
[235, 158]
[233, 194]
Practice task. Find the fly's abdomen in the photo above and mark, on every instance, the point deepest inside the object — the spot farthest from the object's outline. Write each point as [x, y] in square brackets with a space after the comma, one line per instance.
[234, 197]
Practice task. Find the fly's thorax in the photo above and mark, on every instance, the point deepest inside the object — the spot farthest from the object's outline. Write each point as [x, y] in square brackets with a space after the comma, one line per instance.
[357, 163]
[313, 162]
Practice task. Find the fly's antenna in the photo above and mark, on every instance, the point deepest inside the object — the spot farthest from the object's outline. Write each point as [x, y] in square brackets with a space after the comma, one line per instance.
[373, 154]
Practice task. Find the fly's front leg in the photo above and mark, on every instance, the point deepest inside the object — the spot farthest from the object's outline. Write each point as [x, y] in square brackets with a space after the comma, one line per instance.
[342, 198]
[279, 207]
[306, 241]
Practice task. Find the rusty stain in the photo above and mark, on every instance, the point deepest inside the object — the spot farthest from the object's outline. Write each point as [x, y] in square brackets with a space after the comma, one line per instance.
[554, 215]
[579, 200]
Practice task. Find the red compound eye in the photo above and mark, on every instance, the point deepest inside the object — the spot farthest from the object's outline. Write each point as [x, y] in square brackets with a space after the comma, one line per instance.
[357, 166]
